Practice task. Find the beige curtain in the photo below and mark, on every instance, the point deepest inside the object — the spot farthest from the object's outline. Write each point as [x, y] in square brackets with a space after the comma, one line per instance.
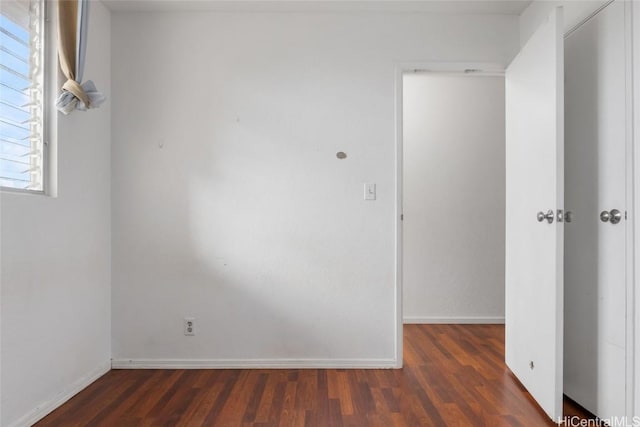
[67, 42]
[72, 33]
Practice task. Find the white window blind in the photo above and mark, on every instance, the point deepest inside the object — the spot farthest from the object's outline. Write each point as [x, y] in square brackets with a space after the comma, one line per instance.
[21, 94]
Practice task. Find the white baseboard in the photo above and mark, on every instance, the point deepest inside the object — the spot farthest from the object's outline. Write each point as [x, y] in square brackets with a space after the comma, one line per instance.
[453, 320]
[253, 363]
[45, 408]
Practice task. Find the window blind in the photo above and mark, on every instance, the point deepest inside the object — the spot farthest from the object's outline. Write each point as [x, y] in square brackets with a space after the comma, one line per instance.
[21, 94]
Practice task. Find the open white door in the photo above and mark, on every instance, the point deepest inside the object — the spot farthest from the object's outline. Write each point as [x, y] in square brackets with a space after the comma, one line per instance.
[596, 93]
[534, 88]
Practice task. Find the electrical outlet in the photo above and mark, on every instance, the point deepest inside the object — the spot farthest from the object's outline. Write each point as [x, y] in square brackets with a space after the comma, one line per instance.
[189, 326]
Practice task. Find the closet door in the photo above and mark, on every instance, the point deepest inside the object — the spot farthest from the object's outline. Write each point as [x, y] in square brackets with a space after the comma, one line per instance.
[594, 352]
[534, 193]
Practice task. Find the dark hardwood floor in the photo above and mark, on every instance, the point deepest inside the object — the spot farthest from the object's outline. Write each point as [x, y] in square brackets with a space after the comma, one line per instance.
[454, 375]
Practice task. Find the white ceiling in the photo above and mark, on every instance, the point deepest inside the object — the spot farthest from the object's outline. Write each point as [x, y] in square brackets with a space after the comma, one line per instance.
[458, 7]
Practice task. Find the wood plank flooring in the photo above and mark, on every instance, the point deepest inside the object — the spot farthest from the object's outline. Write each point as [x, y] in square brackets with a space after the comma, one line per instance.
[454, 375]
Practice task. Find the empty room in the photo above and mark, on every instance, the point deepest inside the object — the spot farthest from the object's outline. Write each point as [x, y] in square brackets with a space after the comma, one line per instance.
[319, 213]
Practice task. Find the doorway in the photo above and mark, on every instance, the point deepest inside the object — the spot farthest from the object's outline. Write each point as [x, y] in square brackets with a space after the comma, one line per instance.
[453, 197]
[434, 69]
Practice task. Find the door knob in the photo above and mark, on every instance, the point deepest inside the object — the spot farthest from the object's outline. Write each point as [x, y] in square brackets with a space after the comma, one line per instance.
[548, 216]
[613, 217]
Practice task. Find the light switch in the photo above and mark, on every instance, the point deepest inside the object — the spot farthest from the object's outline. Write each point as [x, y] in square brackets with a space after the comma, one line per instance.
[369, 191]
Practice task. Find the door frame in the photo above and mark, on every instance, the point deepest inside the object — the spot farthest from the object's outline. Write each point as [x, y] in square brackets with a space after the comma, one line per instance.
[460, 68]
[632, 27]
[632, 77]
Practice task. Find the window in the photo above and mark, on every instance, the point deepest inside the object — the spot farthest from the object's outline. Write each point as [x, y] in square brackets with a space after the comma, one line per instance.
[21, 95]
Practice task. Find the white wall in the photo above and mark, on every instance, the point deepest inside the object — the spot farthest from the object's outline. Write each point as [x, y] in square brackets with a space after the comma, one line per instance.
[229, 204]
[453, 198]
[55, 258]
[574, 13]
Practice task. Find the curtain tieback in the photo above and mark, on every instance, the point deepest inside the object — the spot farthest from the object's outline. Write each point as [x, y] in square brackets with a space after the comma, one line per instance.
[75, 88]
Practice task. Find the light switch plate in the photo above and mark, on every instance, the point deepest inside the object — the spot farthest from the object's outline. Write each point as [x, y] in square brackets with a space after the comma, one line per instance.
[369, 191]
